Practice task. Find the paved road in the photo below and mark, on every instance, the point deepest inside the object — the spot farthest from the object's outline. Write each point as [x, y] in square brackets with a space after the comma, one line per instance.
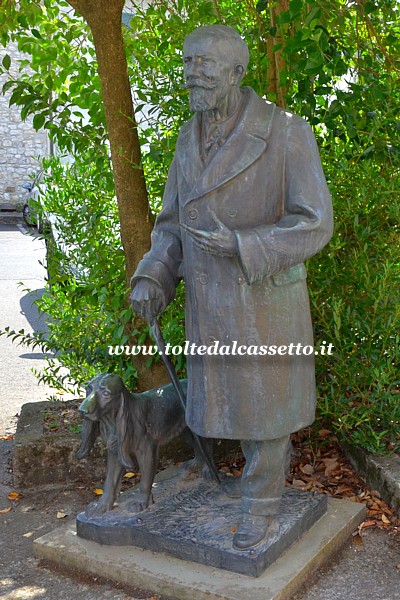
[21, 254]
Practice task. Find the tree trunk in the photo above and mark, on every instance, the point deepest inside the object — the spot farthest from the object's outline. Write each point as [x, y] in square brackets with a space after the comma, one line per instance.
[276, 62]
[104, 18]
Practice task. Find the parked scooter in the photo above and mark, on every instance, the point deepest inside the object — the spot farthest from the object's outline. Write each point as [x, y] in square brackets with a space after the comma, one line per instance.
[30, 209]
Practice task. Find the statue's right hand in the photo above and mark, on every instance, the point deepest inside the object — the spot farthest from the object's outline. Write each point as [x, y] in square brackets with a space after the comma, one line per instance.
[147, 299]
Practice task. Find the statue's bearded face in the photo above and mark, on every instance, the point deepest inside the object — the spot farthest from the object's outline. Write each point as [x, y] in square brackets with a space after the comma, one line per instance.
[209, 72]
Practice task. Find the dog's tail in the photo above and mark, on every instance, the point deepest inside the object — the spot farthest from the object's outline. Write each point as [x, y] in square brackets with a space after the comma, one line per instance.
[124, 431]
[89, 432]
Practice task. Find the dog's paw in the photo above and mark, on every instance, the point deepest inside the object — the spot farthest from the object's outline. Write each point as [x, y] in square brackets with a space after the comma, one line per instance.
[195, 468]
[139, 502]
[190, 469]
[206, 474]
[96, 509]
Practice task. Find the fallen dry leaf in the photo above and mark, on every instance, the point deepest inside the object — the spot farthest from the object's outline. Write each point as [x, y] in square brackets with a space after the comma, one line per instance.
[61, 515]
[328, 460]
[331, 466]
[6, 437]
[324, 433]
[129, 475]
[344, 489]
[368, 523]
[225, 470]
[385, 519]
[375, 493]
[15, 496]
[299, 483]
[98, 491]
[5, 510]
[307, 469]
[357, 539]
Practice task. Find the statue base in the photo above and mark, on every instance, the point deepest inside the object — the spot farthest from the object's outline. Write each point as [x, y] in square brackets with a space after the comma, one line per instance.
[194, 520]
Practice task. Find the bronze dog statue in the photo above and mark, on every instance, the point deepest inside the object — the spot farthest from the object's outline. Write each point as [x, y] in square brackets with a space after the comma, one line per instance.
[131, 424]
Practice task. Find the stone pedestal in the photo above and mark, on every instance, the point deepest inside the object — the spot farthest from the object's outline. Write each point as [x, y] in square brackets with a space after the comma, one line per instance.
[194, 520]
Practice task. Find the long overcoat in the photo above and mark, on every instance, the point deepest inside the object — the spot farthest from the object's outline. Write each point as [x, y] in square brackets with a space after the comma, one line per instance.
[267, 185]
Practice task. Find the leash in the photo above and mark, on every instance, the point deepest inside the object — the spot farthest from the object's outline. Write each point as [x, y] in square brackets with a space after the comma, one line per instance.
[159, 339]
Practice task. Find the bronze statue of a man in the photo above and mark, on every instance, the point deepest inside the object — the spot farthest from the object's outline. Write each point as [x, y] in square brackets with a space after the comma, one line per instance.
[245, 204]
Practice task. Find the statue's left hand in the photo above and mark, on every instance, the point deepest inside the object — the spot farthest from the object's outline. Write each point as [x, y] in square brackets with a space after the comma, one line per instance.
[221, 242]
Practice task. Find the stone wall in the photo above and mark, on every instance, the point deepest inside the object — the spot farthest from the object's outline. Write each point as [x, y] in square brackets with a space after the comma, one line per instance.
[20, 145]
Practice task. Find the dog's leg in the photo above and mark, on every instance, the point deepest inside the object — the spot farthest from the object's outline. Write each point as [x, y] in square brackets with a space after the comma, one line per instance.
[147, 457]
[89, 432]
[198, 464]
[112, 487]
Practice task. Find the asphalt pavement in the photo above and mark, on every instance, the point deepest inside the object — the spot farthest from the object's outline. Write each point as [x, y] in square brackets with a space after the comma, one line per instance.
[21, 283]
[366, 570]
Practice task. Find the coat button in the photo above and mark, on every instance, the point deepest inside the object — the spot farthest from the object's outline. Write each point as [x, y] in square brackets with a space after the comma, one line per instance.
[193, 214]
[204, 279]
[232, 212]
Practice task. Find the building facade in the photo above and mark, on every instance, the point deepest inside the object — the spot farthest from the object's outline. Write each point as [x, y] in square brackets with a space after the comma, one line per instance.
[21, 147]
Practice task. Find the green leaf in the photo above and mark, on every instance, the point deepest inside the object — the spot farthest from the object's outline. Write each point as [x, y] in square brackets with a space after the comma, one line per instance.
[49, 82]
[370, 7]
[295, 7]
[314, 14]
[6, 62]
[38, 121]
[314, 64]
[8, 85]
[22, 20]
[261, 5]
[285, 17]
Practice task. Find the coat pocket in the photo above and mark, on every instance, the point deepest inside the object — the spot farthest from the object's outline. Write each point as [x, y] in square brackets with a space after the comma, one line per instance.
[296, 273]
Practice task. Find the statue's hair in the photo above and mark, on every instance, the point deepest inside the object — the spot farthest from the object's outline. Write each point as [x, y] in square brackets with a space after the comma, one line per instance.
[239, 52]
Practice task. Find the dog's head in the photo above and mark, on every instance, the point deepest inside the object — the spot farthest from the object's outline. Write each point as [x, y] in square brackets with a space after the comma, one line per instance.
[102, 395]
[106, 397]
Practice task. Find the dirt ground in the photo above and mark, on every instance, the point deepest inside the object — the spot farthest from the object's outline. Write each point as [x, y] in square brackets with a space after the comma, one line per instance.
[22, 577]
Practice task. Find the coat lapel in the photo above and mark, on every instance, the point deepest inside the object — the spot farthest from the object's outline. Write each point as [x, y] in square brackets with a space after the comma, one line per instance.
[188, 150]
[243, 147]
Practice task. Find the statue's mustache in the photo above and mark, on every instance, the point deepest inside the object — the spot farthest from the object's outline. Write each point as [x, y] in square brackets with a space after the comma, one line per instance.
[200, 83]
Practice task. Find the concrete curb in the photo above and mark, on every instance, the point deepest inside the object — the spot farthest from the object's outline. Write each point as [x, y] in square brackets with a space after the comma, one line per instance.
[381, 473]
[39, 459]
[184, 580]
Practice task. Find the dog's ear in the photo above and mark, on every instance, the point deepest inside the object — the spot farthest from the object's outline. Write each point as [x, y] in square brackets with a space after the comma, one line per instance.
[89, 432]
[122, 430]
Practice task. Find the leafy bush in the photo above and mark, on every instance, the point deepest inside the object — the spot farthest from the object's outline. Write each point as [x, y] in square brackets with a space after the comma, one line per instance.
[355, 292]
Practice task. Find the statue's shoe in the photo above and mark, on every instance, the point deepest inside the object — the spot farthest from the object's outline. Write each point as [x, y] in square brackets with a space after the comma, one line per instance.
[251, 531]
[232, 487]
